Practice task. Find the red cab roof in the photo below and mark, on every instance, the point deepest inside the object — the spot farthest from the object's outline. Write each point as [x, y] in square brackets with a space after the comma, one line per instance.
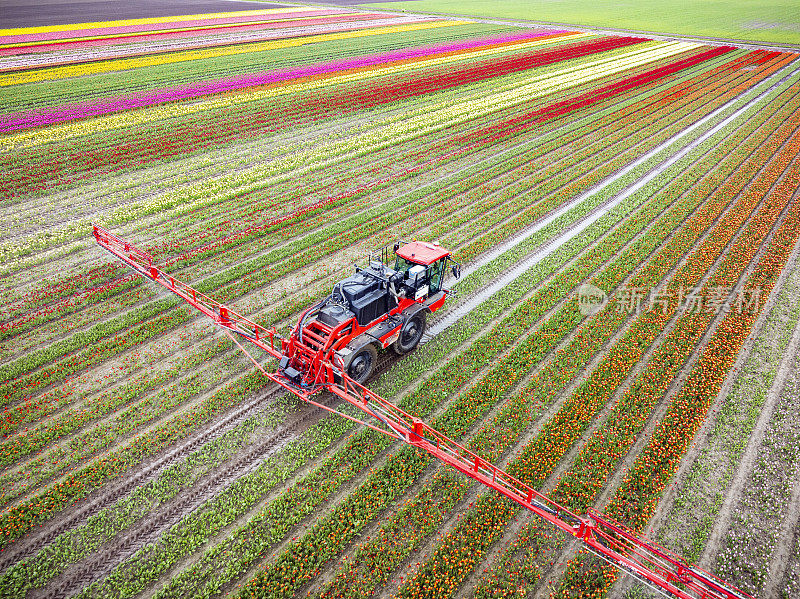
[422, 252]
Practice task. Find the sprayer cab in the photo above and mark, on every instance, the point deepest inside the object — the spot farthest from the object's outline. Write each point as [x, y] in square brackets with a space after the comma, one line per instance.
[422, 267]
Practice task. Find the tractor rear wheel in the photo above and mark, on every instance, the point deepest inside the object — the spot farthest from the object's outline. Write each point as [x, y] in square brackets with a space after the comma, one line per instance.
[410, 334]
[362, 362]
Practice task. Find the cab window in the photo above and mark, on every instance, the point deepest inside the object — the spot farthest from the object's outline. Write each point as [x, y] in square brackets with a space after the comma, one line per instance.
[435, 271]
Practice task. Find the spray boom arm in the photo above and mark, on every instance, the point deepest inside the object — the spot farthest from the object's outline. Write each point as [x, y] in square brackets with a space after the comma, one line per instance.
[655, 566]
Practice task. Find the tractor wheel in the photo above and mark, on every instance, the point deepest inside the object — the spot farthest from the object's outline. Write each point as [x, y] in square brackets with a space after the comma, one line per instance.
[410, 334]
[362, 362]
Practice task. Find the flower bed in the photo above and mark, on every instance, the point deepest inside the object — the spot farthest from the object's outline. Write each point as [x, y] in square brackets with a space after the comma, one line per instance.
[264, 196]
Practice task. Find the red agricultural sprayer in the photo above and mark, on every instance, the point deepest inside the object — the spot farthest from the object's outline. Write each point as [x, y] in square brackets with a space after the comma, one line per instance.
[334, 348]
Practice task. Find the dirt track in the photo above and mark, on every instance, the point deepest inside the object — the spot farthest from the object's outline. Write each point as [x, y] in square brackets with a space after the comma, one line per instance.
[18, 13]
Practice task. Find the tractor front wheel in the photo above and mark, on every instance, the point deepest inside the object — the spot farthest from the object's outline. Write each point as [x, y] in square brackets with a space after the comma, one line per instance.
[362, 362]
[410, 334]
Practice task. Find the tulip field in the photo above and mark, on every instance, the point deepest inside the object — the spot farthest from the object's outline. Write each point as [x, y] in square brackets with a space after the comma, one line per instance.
[257, 155]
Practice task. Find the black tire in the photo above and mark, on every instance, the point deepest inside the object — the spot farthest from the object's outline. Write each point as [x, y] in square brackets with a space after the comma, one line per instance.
[410, 334]
[362, 362]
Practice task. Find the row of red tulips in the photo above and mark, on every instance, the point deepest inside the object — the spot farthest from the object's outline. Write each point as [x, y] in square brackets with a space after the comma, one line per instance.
[190, 251]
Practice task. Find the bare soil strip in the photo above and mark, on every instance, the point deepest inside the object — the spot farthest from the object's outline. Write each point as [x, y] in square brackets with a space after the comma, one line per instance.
[135, 477]
[747, 462]
[784, 575]
[790, 586]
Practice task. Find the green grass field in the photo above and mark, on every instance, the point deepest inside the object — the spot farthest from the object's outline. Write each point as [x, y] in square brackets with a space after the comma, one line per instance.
[776, 21]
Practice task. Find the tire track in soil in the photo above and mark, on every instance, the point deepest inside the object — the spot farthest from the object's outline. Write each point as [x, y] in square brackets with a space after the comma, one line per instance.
[614, 480]
[138, 475]
[788, 539]
[791, 584]
[153, 525]
[523, 235]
